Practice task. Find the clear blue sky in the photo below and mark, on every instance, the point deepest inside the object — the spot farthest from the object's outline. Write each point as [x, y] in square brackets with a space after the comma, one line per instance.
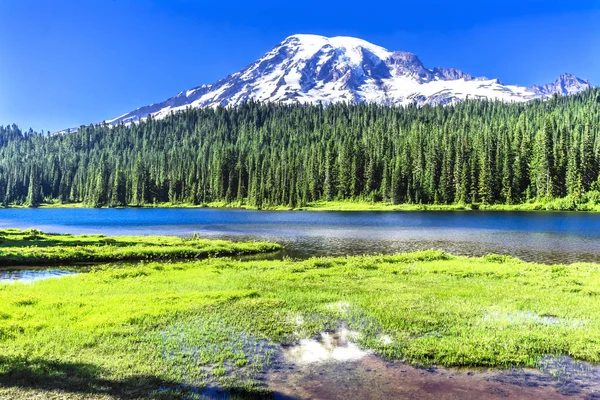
[66, 63]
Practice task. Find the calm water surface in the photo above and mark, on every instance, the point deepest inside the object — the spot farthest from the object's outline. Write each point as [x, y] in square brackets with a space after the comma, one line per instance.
[28, 275]
[542, 237]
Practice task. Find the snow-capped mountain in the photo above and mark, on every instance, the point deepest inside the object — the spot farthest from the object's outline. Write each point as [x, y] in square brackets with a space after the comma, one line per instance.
[565, 84]
[311, 69]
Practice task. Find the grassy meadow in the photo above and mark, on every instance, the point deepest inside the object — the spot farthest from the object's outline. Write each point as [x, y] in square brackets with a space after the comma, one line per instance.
[33, 247]
[169, 329]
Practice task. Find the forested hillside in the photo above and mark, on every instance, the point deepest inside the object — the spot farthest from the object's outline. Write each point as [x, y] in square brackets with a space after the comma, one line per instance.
[267, 155]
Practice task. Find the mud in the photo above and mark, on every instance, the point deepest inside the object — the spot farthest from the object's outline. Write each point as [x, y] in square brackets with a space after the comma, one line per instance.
[373, 378]
[331, 366]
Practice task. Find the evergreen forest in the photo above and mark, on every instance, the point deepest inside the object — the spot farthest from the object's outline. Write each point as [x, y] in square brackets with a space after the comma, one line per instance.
[270, 155]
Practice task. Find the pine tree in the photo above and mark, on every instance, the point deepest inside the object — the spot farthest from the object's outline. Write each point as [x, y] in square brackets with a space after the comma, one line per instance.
[119, 195]
[34, 192]
[588, 167]
[543, 162]
[329, 183]
[573, 178]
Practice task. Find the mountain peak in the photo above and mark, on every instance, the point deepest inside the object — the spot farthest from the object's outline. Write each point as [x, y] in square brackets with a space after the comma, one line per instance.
[336, 41]
[565, 84]
[570, 78]
[306, 68]
[352, 47]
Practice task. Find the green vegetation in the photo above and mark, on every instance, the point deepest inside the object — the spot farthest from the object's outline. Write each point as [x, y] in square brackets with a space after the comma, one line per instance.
[268, 156]
[586, 202]
[569, 203]
[33, 247]
[129, 331]
[349, 205]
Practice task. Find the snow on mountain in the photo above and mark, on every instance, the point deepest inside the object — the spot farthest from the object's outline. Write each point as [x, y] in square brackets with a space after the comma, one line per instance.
[312, 69]
[565, 84]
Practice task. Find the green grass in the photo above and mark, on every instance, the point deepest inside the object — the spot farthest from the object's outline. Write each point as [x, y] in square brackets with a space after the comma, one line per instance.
[564, 204]
[33, 247]
[561, 204]
[377, 206]
[589, 201]
[125, 331]
[338, 205]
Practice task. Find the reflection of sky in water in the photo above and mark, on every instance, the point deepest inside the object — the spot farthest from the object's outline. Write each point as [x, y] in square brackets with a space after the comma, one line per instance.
[30, 275]
[542, 237]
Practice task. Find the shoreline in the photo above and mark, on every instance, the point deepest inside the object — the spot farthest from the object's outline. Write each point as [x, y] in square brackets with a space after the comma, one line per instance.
[346, 206]
[33, 247]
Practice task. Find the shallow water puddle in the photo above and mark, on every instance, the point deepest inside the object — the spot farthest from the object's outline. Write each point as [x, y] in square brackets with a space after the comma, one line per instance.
[371, 377]
[332, 366]
[31, 275]
[329, 346]
[523, 317]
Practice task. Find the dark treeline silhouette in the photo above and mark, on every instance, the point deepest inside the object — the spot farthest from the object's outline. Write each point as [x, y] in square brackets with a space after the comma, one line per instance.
[268, 155]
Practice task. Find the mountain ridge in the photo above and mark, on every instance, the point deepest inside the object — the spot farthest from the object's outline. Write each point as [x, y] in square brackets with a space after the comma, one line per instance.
[306, 68]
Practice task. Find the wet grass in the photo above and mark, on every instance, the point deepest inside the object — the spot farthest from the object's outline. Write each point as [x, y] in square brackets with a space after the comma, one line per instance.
[33, 247]
[169, 330]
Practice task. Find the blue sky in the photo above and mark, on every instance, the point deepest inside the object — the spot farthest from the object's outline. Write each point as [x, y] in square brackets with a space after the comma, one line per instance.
[67, 63]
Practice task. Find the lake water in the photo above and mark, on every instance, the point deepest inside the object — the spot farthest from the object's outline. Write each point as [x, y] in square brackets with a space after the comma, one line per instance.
[547, 237]
[541, 237]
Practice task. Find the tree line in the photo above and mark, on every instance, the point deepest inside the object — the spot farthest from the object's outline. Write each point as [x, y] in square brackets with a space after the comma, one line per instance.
[266, 155]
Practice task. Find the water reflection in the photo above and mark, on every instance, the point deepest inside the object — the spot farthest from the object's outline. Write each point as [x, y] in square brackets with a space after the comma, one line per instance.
[541, 236]
[537, 247]
[30, 275]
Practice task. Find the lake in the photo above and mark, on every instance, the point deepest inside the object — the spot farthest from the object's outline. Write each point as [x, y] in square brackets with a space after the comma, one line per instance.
[547, 237]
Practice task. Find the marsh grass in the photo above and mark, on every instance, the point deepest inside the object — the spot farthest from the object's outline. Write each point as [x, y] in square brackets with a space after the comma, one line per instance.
[33, 247]
[168, 330]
